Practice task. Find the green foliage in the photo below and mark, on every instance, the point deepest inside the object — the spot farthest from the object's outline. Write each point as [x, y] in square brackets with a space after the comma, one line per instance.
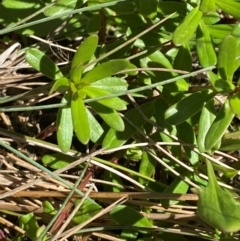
[186, 115]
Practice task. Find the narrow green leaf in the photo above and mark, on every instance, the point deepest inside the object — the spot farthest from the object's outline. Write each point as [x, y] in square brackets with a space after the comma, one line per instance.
[220, 85]
[111, 84]
[219, 125]
[206, 53]
[57, 160]
[64, 125]
[84, 53]
[113, 103]
[190, 138]
[220, 31]
[227, 57]
[207, 6]
[187, 107]
[217, 207]
[147, 167]
[60, 84]
[177, 186]
[29, 224]
[115, 139]
[86, 211]
[234, 101]
[62, 6]
[110, 116]
[127, 216]
[115, 179]
[80, 119]
[48, 208]
[148, 8]
[159, 60]
[96, 129]
[105, 70]
[230, 145]
[207, 117]
[187, 28]
[42, 63]
[230, 7]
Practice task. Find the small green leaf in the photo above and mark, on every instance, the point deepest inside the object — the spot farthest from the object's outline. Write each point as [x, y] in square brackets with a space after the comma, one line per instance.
[64, 125]
[87, 211]
[187, 28]
[48, 208]
[190, 138]
[230, 7]
[219, 126]
[207, 6]
[80, 119]
[206, 53]
[60, 84]
[96, 129]
[127, 216]
[147, 167]
[29, 224]
[234, 101]
[84, 53]
[148, 8]
[62, 6]
[110, 116]
[227, 57]
[115, 139]
[230, 145]
[105, 70]
[227, 172]
[187, 107]
[220, 31]
[113, 103]
[57, 160]
[42, 63]
[177, 186]
[111, 84]
[94, 24]
[220, 85]
[217, 207]
[207, 117]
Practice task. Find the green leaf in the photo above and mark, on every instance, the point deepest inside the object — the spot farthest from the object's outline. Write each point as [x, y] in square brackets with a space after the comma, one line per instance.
[217, 207]
[29, 224]
[62, 6]
[206, 53]
[127, 216]
[94, 24]
[57, 160]
[115, 139]
[207, 6]
[211, 18]
[207, 117]
[220, 31]
[147, 167]
[230, 7]
[80, 119]
[111, 84]
[60, 84]
[234, 101]
[105, 70]
[96, 129]
[115, 179]
[110, 116]
[42, 63]
[166, 7]
[227, 58]
[219, 126]
[113, 103]
[190, 138]
[84, 53]
[148, 8]
[64, 125]
[177, 186]
[227, 172]
[86, 211]
[159, 60]
[219, 84]
[186, 29]
[187, 107]
[48, 208]
[230, 145]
